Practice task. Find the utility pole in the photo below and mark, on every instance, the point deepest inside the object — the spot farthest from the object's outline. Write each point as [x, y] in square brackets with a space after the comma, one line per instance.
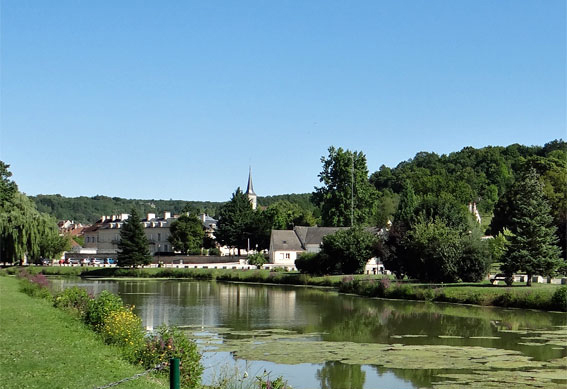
[352, 191]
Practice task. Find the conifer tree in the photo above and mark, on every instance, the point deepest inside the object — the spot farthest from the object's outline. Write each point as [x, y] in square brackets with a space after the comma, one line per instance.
[533, 247]
[393, 251]
[133, 246]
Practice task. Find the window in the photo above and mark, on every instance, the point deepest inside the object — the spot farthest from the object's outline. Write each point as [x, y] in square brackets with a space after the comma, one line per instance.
[165, 248]
[287, 256]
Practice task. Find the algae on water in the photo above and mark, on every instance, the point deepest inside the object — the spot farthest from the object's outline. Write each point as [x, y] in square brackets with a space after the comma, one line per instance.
[482, 367]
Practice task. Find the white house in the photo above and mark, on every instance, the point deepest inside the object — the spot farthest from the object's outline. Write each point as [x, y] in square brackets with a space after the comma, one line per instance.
[287, 245]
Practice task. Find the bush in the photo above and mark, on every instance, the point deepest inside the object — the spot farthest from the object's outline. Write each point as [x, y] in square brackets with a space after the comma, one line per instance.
[102, 306]
[167, 343]
[74, 299]
[214, 251]
[123, 328]
[257, 259]
[347, 251]
[310, 263]
[35, 290]
[34, 285]
[559, 299]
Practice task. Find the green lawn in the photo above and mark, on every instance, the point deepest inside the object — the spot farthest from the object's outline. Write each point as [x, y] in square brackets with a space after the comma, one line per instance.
[43, 347]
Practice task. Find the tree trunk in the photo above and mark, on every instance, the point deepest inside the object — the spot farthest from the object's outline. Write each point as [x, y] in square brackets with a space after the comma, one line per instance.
[529, 282]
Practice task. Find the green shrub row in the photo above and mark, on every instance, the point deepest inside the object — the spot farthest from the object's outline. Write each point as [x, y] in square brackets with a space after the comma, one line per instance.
[530, 298]
[118, 325]
[543, 299]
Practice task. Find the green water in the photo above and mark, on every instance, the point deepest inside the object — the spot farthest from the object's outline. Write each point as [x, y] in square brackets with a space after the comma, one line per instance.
[321, 339]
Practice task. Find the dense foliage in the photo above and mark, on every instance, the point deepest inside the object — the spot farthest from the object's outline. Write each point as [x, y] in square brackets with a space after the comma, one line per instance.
[344, 252]
[24, 231]
[346, 197]
[187, 234]
[533, 243]
[89, 209]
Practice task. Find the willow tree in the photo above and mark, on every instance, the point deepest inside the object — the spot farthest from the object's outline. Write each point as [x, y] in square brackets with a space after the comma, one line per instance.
[24, 231]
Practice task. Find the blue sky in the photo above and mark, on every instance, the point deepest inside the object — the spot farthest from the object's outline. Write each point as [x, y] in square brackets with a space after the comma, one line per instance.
[175, 99]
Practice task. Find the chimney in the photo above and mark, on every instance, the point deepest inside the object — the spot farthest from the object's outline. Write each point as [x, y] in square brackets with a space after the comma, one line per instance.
[150, 216]
[166, 215]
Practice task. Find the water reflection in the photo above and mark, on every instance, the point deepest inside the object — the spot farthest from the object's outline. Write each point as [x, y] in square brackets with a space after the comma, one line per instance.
[338, 375]
[337, 318]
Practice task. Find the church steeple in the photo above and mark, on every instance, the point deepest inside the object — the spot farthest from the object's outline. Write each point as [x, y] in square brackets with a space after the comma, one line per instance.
[250, 190]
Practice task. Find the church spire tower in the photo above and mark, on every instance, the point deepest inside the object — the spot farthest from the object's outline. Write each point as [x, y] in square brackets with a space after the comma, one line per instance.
[250, 191]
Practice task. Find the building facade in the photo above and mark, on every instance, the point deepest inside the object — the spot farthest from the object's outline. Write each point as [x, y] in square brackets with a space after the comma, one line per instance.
[104, 235]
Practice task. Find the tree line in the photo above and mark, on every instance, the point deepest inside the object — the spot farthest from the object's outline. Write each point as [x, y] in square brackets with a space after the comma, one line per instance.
[88, 210]
[429, 234]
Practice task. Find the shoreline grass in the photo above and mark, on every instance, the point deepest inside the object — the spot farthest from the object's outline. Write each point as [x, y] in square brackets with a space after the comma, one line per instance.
[539, 296]
[43, 347]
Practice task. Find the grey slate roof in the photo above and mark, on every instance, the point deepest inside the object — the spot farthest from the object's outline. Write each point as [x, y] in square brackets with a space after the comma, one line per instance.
[285, 240]
[300, 237]
[315, 235]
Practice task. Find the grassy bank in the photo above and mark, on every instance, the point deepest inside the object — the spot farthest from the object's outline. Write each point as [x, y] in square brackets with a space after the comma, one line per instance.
[539, 296]
[43, 347]
[63, 271]
[544, 297]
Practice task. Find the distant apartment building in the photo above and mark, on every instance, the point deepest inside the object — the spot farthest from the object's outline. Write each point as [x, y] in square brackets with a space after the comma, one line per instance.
[104, 235]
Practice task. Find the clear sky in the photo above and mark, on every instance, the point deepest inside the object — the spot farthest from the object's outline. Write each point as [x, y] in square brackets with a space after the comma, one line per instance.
[175, 99]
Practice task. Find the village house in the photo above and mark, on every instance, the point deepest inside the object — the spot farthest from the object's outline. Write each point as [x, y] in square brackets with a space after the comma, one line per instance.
[287, 245]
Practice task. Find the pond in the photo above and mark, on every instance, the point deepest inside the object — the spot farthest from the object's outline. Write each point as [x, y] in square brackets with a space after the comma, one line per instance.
[317, 338]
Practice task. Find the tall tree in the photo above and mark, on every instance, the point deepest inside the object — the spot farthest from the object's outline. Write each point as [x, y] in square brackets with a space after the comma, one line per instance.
[346, 197]
[533, 245]
[133, 246]
[186, 234]
[234, 221]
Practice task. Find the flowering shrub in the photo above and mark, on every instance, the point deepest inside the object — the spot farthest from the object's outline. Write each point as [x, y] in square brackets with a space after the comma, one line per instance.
[34, 285]
[73, 299]
[167, 343]
[99, 308]
[123, 328]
